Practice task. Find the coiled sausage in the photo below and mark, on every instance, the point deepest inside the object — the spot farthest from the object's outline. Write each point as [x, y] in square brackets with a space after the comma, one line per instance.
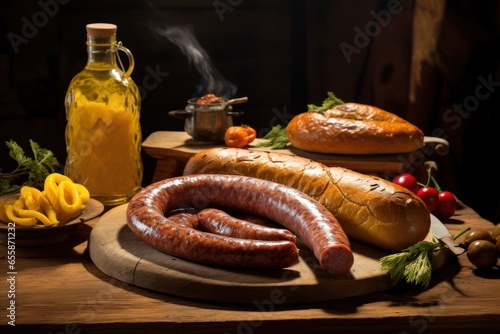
[307, 218]
[220, 222]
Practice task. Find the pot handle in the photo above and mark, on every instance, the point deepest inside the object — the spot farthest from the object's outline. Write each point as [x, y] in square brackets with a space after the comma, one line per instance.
[235, 113]
[180, 114]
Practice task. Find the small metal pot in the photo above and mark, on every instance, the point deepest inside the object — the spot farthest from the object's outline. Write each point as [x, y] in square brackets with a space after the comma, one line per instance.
[206, 122]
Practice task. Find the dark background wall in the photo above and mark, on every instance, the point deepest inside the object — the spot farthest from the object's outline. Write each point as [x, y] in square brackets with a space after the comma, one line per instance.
[282, 55]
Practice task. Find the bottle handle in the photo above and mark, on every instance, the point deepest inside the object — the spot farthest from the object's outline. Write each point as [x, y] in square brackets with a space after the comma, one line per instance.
[131, 62]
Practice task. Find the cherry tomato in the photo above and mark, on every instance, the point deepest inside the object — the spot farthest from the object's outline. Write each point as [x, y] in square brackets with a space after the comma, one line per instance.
[408, 181]
[447, 205]
[239, 136]
[430, 197]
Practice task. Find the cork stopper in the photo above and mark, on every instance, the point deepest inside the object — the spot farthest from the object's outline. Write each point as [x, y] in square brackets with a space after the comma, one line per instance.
[101, 29]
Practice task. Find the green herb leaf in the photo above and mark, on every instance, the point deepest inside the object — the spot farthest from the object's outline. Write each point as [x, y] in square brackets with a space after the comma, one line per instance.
[328, 103]
[32, 171]
[16, 152]
[276, 138]
[413, 265]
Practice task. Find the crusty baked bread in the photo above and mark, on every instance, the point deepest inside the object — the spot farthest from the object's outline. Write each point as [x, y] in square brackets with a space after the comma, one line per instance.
[370, 209]
[353, 128]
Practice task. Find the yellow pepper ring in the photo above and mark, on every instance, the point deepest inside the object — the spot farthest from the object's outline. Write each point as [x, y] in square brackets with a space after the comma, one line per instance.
[3, 213]
[60, 201]
[50, 188]
[48, 209]
[69, 198]
[28, 197]
[50, 192]
[9, 211]
[19, 208]
[83, 192]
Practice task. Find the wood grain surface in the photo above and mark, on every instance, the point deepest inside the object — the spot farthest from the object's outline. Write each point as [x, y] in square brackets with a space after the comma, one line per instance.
[179, 146]
[58, 289]
[121, 254]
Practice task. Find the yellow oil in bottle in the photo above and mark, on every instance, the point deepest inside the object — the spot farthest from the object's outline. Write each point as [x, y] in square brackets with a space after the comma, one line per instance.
[103, 133]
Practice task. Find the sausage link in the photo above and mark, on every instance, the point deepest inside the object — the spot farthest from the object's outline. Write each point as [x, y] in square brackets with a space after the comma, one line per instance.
[220, 222]
[307, 218]
[259, 220]
[188, 219]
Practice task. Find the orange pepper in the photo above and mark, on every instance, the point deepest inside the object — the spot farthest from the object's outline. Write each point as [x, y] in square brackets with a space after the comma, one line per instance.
[239, 136]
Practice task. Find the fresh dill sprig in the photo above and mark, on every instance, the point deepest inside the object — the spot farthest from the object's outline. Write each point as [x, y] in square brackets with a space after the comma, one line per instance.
[330, 101]
[276, 138]
[413, 265]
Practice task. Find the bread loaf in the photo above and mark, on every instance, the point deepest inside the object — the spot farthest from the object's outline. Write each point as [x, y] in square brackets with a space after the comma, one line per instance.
[353, 128]
[370, 209]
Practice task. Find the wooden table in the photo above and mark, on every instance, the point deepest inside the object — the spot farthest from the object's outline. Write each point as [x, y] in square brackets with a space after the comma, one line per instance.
[58, 289]
[174, 148]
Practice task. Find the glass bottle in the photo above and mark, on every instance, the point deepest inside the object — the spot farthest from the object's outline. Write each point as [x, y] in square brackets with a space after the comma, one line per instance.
[103, 133]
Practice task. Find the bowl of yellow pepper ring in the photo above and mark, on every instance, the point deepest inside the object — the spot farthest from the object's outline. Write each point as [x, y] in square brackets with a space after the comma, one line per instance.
[36, 217]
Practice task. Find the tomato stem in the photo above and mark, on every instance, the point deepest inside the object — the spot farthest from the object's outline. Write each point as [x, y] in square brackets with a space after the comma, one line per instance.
[461, 233]
[430, 179]
[429, 176]
[436, 185]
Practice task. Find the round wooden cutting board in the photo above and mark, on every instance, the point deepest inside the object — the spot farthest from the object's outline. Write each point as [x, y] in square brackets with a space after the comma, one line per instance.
[118, 252]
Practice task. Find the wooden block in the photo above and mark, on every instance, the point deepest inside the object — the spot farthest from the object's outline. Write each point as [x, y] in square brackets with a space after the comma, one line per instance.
[179, 146]
[119, 253]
